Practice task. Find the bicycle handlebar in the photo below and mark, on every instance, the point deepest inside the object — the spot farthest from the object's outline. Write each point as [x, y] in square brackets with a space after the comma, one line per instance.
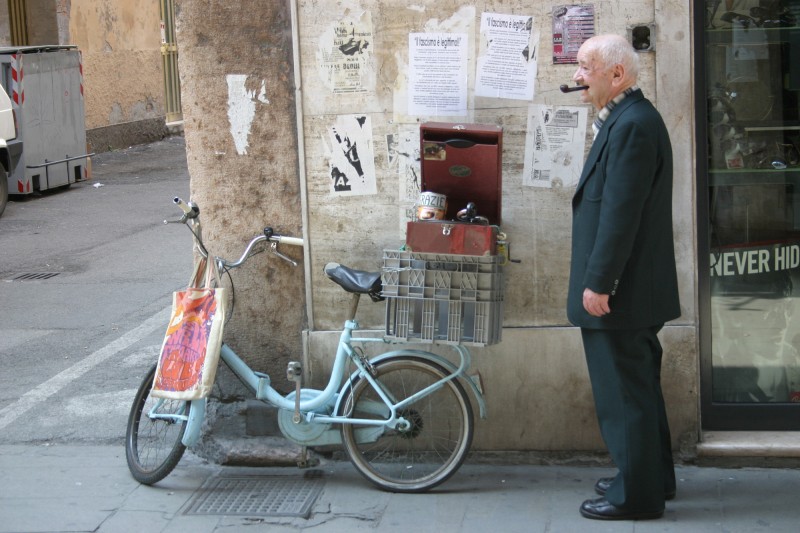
[285, 239]
[191, 212]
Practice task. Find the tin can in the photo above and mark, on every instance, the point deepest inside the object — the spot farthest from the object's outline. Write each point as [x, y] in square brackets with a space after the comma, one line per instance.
[431, 206]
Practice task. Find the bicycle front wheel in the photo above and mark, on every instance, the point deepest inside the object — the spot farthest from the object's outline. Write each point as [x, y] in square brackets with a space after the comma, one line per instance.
[153, 444]
[427, 450]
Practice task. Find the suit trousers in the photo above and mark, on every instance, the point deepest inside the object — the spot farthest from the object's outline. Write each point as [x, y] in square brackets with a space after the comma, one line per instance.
[625, 372]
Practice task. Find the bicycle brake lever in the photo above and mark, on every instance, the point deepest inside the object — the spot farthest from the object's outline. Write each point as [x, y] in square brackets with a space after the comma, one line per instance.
[273, 248]
[181, 220]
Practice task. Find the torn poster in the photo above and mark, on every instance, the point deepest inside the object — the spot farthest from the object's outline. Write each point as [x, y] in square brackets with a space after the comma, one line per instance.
[352, 161]
[403, 148]
[345, 56]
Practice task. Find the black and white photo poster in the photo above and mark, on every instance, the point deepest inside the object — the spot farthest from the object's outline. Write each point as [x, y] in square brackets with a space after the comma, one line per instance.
[352, 159]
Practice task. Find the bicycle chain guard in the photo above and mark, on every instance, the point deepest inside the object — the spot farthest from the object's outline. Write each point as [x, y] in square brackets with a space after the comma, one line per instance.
[302, 432]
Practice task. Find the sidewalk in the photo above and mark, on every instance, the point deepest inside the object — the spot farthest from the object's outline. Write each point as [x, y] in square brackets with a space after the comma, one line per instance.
[69, 488]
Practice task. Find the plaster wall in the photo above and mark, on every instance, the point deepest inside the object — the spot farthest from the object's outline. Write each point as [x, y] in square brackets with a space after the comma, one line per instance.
[123, 82]
[536, 378]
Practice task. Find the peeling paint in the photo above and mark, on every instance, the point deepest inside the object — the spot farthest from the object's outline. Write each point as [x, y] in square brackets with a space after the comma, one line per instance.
[460, 22]
[242, 108]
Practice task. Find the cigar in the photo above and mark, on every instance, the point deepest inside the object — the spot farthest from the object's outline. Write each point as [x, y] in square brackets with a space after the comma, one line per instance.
[567, 89]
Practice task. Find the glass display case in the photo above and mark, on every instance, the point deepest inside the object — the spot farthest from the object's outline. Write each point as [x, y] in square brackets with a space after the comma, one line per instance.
[751, 66]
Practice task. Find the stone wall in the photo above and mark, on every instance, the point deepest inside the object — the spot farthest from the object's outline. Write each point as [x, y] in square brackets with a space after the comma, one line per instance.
[120, 42]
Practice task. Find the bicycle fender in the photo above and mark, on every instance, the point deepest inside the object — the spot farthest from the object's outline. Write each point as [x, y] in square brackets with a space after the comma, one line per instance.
[197, 412]
[432, 357]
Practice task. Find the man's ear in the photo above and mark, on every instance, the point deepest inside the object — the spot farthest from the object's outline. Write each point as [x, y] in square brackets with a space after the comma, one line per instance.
[618, 75]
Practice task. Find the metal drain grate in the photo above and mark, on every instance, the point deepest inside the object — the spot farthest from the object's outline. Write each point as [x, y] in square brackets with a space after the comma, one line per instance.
[27, 276]
[257, 496]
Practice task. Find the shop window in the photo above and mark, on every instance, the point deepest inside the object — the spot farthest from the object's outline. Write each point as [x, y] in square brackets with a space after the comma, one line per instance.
[751, 66]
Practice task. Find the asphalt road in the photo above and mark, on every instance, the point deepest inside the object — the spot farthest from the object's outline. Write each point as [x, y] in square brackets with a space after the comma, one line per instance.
[86, 277]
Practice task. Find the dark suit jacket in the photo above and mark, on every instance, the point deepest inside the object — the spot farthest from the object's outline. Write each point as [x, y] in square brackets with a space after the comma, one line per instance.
[622, 222]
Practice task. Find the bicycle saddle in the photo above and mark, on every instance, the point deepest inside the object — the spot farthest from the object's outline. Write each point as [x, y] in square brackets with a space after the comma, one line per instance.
[357, 281]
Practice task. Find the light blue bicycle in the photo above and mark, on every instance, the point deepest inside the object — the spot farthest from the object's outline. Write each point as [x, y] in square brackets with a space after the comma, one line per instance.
[403, 417]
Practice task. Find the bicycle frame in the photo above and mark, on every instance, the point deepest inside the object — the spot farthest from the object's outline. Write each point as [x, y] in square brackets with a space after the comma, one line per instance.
[154, 413]
[313, 409]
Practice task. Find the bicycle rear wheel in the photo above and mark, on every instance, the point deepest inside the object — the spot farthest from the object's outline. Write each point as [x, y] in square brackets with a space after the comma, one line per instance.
[436, 441]
[153, 445]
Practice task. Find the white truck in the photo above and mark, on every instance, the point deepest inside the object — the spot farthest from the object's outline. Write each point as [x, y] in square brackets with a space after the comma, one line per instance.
[44, 136]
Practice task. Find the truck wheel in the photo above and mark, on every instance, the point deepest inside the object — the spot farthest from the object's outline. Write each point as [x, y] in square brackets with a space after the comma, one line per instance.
[3, 191]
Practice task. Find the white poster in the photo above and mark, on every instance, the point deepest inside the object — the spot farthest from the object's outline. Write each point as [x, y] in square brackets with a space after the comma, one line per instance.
[507, 61]
[352, 160]
[437, 74]
[554, 146]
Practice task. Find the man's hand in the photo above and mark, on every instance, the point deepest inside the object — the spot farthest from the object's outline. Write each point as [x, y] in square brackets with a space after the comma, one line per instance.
[595, 304]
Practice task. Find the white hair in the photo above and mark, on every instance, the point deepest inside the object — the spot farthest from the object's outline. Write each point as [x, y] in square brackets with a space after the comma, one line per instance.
[615, 50]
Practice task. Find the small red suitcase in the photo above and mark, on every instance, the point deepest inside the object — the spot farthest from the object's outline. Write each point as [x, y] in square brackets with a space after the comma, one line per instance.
[443, 237]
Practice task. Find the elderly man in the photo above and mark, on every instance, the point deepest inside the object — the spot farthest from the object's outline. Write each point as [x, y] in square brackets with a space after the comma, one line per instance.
[623, 282]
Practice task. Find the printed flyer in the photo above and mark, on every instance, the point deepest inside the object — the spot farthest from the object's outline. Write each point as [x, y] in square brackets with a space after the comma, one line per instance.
[437, 74]
[554, 146]
[507, 62]
[572, 25]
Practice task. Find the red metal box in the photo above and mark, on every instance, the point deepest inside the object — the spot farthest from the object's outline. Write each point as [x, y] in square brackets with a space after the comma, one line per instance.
[447, 237]
[463, 162]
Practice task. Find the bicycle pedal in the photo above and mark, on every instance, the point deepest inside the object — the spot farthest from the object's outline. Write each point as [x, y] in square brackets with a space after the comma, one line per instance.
[294, 371]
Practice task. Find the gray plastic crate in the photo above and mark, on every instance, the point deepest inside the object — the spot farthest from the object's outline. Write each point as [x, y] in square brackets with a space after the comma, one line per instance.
[453, 299]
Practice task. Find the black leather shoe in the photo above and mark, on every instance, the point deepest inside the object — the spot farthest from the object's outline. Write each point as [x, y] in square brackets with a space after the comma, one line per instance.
[604, 482]
[600, 509]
